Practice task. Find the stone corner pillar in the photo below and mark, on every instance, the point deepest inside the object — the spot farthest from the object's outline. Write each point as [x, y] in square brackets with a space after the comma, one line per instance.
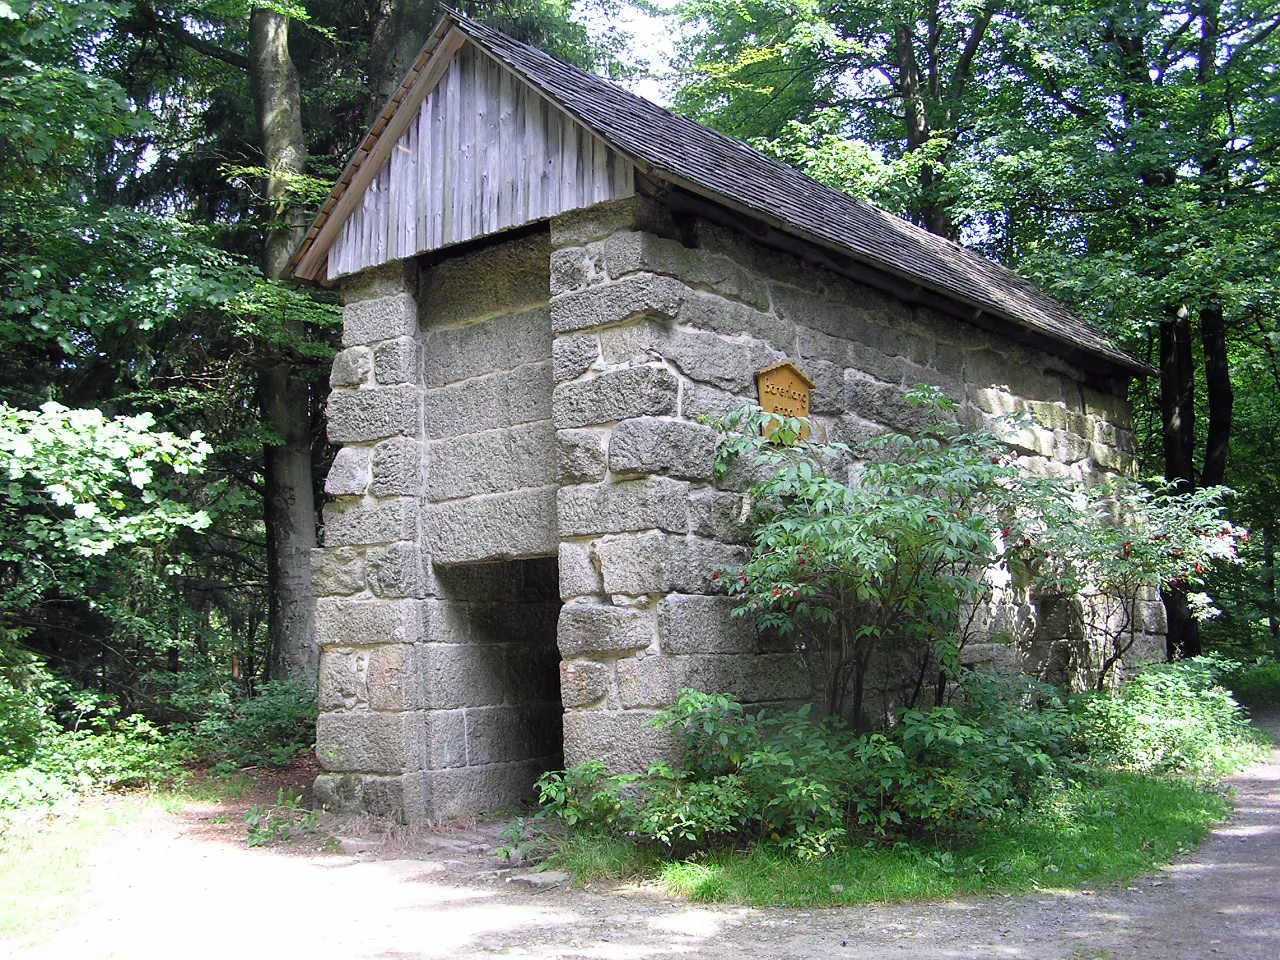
[642, 527]
[369, 576]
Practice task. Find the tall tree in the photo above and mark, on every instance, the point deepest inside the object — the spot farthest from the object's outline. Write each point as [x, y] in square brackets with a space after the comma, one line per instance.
[902, 75]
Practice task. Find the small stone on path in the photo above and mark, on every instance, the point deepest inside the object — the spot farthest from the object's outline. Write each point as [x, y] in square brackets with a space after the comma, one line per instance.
[539, 879]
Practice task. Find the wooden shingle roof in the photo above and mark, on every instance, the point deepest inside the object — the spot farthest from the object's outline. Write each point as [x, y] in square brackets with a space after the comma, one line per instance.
[679, 150]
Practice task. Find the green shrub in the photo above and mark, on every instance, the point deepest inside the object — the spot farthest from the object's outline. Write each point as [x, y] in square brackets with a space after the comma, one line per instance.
[1170, 718]
[129, 753]
[26, 689]
[268, 730]
[1256, 684]
[806, 786]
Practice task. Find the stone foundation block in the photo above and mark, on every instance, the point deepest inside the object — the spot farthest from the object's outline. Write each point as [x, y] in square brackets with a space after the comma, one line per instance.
[396, 361]
[719, 515]
[622, 739]
[634, 344]
[695, 562]
[642, 294]
[633, 252]
[358, 416]
[596, 628]
[752, 679]
[351, 367]
[707, 311]
[502, 399]
[446, 738]
[338, 791]
[583, 682]
[398, 798]
[350, 473]
[700, 400]
[462, 675]
[383, 677]
[382, 318]
[396, 468]
[388, 279]
[646, 682]
[343, 681]
[676, 448]
[336, 571]
[719, 361]
[366, 742]
[453, 354]
[837, 317]
[580, 456]
[653, 503]
[494, 279]
[573, 356]
[578, 227]
[579, 576]
[502, 734]
[348, 523]
[396, 570]
[469, 791]
[615, 395]
[633, 564]
[358, 622]
[494, 461]
[701, 624]
[504, 525]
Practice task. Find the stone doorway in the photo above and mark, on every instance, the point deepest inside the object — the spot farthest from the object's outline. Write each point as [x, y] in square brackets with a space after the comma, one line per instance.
[494, 684]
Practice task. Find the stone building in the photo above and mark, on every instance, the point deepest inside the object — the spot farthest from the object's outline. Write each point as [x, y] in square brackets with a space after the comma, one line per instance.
[547, 282]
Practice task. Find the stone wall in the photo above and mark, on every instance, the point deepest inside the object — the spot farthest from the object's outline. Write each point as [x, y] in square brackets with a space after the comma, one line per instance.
[487, 375]
[540, 397]
[438, 672]
[653, 332]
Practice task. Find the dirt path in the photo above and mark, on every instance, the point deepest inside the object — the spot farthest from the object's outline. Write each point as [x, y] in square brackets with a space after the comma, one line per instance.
[185, 887]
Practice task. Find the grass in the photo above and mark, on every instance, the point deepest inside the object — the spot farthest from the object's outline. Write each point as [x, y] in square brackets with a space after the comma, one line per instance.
[1112, 828]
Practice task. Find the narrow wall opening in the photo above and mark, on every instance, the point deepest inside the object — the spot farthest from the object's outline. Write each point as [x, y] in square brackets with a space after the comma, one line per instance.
[504, 614]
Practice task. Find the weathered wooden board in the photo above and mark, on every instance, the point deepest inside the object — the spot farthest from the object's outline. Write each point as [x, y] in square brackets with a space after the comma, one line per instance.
[485, 152]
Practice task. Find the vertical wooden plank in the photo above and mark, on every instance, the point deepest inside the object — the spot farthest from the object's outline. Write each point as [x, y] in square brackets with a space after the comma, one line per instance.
[439, 174]
[510, 161]
[467, 181]
[422, 177]
[568, 166]
[548, 142]
[599, 171]
[391, 223]
[533, 144]
[493, 162]
[453, 123]
[408, 199]
[520, 154]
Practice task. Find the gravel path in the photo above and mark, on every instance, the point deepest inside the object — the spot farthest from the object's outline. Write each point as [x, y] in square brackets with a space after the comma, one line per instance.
[179, 887]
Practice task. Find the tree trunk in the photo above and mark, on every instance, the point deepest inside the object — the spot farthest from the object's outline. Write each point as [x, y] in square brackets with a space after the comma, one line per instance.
[285, 400]
[1269, 575]
[398, 34]
[1217, 376]
[1178, 419]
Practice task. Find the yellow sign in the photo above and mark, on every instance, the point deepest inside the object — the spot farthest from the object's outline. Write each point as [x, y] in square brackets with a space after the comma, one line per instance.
[785, 390]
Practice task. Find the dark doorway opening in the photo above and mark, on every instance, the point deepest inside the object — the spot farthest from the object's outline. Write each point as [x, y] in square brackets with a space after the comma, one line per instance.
[504, 613]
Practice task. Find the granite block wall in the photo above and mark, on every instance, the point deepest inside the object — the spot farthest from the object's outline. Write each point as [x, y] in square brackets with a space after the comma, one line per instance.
[524, 519]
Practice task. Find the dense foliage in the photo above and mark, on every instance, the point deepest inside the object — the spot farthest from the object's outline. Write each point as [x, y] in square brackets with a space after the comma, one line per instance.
[146, 337]
[782, 779]
[882, 561]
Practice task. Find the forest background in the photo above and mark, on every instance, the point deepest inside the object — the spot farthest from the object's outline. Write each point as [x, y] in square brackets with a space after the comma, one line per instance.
[161, 389]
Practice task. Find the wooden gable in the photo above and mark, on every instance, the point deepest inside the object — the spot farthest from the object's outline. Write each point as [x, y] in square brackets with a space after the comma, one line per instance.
[476, 150]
